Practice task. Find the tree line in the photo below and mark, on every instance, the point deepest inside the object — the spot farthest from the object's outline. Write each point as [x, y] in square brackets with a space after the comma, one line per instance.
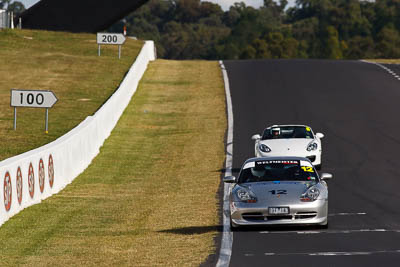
[14, 6]
[333, 29]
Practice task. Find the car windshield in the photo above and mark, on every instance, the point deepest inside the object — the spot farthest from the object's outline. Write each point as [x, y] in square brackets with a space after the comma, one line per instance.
[278, 170]
[284, 132]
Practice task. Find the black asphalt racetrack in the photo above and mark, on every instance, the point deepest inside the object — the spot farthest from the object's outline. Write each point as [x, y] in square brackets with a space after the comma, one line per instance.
[356, 105]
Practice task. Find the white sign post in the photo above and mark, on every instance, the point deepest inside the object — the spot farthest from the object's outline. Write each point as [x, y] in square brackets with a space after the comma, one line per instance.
[111, 39]
[32, 99]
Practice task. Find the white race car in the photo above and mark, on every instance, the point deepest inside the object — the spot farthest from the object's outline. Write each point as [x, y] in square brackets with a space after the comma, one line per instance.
[289, 140]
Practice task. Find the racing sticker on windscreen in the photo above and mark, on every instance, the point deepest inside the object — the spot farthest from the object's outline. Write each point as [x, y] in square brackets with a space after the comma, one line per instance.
[268, 162]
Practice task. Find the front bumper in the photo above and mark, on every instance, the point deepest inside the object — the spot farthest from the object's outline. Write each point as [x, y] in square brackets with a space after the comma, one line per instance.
[302, 213]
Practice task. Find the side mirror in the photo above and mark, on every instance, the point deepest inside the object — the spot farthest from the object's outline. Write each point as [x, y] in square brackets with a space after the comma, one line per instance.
[229, 179]
[319, 135]
[256, 137]
[326, 176]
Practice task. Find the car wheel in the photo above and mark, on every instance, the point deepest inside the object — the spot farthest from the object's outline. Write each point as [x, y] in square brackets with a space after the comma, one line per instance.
[318, 167]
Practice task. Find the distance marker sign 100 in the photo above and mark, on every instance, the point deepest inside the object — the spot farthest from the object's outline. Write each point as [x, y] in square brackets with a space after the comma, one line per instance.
[32, 99]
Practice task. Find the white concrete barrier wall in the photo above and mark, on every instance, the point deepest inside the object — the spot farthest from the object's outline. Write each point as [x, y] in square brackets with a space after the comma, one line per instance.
[28, 178]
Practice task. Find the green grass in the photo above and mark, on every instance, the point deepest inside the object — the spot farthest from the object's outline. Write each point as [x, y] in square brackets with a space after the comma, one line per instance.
[385, 61]
[68, 65]
[150, 197]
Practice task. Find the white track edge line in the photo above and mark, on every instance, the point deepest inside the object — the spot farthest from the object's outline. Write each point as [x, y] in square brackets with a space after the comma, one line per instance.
[227, 235]
[332, 253]
[305, 232]
[383, 67]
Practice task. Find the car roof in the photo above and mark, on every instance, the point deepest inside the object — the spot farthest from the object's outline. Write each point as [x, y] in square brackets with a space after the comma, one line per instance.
[276, 158]
[286, 125]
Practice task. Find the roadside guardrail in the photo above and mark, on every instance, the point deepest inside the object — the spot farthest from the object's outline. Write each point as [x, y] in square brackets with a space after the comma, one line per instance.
[33, 176]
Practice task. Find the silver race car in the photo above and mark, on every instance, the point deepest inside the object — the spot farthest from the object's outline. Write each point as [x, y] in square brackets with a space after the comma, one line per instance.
[289, 140]
[278, 190]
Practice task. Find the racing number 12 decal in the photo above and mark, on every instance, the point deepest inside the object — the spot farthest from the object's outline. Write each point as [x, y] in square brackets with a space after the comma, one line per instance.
[307, 169]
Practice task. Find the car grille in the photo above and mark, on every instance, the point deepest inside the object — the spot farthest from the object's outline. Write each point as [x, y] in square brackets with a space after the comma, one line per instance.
[258, 216]
[254, 216]
[305, 215]
[279, 217]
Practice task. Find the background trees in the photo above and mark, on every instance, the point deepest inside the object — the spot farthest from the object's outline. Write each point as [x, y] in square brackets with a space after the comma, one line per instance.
[336, 29]
[15, 6]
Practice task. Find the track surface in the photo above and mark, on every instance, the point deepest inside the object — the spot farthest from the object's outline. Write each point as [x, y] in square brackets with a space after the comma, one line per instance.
[356, 106]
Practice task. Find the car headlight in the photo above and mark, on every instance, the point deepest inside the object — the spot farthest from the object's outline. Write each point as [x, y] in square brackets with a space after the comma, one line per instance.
[264, 148]
[246, 195]
[310, 195]
[312, 146]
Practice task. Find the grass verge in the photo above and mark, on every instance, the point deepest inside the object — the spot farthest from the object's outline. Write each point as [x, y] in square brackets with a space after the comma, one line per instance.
[385, 61]
[149, 198]
[64, 63]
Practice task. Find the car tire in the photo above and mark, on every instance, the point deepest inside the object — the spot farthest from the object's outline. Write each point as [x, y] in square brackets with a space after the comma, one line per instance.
[318, 167]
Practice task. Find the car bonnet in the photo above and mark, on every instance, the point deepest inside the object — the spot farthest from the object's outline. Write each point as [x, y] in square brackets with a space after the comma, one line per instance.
[279, 190]
[286, 145]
